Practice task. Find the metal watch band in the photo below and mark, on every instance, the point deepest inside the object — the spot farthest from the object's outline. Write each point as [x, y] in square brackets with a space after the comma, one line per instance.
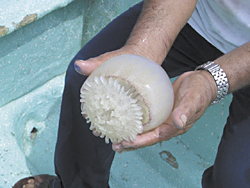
[220, 79]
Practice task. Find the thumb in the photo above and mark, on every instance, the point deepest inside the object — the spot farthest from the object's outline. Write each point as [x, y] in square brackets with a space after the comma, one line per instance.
[86, 67]
[183, 114]
[179, 119]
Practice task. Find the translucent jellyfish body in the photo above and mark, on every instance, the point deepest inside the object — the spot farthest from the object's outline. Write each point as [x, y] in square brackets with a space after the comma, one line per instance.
[126, 96]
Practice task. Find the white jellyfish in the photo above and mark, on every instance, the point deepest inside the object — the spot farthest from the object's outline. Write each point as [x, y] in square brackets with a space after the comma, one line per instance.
[126, 96]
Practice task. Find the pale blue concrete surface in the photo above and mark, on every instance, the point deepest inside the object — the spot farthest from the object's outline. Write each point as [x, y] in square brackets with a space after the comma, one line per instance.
[23, 153]
[39, 51]
[33, 60]
[13, 12]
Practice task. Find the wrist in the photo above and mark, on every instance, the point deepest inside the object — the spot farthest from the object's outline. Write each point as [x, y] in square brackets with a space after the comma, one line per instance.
[211, 85]
[219, 77]
[141, 49]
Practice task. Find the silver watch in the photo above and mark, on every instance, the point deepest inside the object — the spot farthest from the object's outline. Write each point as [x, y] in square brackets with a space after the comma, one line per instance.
[220, 79]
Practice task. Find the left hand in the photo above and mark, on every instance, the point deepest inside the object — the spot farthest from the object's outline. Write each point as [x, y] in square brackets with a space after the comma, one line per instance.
[194, 91]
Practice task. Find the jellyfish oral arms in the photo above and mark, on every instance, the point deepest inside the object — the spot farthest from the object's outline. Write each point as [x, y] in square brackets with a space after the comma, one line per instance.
[126, 96]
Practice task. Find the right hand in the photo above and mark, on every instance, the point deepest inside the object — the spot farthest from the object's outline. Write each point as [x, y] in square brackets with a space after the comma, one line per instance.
[193, 91]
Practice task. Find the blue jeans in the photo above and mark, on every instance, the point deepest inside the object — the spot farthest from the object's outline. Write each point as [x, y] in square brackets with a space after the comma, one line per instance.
[83, 160]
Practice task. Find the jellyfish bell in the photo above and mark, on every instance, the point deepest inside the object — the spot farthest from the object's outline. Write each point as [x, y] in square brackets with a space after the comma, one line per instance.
[126, 96]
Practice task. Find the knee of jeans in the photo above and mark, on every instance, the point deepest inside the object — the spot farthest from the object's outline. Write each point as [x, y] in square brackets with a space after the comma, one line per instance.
[227, 176]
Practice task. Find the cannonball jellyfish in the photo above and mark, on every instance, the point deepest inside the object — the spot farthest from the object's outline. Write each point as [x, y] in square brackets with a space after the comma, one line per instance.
[126, 96]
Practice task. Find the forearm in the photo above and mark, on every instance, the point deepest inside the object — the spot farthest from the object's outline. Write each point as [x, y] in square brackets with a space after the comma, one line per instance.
[158, 26]
[236, 65]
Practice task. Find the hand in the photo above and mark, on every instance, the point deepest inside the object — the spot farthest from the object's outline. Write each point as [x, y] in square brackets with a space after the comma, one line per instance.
[88, 66]
[193, 91]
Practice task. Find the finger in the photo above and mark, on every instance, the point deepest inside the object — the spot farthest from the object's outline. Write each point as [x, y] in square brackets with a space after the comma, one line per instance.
[126, 150]
[117, 147]
[143, 140]
[120, 149]
[186, 112]
[179, 116]
[86, 67]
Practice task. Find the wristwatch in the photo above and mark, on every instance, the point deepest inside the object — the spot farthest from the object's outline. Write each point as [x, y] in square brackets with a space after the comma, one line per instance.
[220, 79]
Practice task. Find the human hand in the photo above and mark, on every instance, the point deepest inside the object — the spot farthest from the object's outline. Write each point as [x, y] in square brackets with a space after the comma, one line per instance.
[193, 91]
[86, 67]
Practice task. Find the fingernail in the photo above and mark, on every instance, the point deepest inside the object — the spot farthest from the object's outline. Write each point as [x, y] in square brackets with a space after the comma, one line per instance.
[179, 124]
[78, 68]
[183, 119]
[117, 147]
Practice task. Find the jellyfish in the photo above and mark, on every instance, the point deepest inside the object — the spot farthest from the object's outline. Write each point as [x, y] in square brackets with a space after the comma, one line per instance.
[126, 96]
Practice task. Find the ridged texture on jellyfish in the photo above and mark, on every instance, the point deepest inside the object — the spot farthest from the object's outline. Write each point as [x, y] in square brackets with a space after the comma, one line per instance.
[105, 103]
[125, 96]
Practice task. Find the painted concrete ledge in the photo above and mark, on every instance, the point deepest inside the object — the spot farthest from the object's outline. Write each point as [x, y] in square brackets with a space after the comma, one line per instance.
[16, 14]
[41, 50]
[32, 55]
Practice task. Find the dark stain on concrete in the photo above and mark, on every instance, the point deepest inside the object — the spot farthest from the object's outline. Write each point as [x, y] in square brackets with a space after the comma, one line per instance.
[169, 158]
